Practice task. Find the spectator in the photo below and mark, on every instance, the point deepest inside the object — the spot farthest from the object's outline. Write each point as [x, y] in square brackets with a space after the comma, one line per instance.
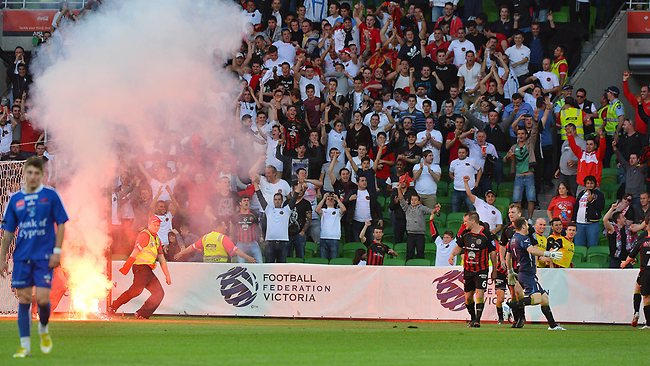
[560, 67]
[299, 221]
[485, 208]
[448, 18]
[504, 25]
[568, 167]
[426, 179]
[430, 139]
[459, 48]
[20, 82]
[635, 174]
[277, 225]
[244, 228]
[548, 80]
[458, 169]
[523, 159]
[15, 154]
[469, 78]
[629, 140]
[519, 56]
[562, 205]
[330, 233]
[619, 235]
[414, 223]
[377, 250]
[640, 124]
[455, 138]
[484, 154]
[398, 216]
[515, 110]
[445, 244]
[537, 40]
[335, 138]
[363, 207]
[590, 160]
[591, 202]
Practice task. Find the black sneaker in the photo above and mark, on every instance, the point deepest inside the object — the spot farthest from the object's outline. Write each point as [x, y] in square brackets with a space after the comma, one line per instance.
[476, 324]
[519, 324]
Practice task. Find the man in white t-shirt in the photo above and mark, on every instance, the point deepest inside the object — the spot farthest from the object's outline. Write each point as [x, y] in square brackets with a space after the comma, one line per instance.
[479, 150]
[269, 184]
[277, 217]
[330, 224]
[362, 151]
[426, 174]
[519, 56]
[335, 139]
[485, 208]
[251, 14]
[286, 50]
[459, 168]
[459, 48]
[549, 81]
[377, 108]
[469, 77]
[430, 139]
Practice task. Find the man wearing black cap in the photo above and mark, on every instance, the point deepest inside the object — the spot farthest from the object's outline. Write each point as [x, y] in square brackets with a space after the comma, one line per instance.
[613, 121]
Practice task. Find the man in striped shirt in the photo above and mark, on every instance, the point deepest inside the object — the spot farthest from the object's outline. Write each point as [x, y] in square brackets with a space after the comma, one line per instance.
[476, 242]
[244, 229]
[376, 250]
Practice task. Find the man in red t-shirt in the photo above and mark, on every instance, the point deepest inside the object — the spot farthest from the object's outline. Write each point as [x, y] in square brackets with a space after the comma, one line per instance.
[639, 124]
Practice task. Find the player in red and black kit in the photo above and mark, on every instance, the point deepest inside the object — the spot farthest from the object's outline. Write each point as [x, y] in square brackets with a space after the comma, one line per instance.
[642, 247]
[516, 291]
[376, 250]
[477, 243]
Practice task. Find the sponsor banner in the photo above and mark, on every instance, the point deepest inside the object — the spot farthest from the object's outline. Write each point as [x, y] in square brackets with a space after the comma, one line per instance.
[638, 24]
[429, 293]
[26, 22]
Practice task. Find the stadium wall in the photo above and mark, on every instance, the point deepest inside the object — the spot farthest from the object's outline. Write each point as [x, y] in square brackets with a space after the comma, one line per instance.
[409, 293]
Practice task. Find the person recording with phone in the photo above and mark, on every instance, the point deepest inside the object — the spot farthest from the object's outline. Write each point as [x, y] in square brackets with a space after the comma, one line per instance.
[591, 202]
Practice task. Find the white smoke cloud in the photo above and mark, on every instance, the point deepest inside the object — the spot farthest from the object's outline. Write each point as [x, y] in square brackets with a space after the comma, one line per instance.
[127, 74]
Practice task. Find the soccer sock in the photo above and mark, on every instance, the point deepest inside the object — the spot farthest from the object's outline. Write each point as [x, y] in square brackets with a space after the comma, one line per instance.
[470, 310]
[527, 301]
[637, 302]
[24, 322]
[500, 313]
[546, 310]
[646, 311]
[44, 316]
[479, 311]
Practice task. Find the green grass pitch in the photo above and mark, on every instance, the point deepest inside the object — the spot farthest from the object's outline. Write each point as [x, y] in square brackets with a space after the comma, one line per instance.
[255, 341]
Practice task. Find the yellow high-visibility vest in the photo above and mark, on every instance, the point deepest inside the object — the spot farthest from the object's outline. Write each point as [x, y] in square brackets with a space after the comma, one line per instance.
[612, 118]
[555, 68]
[213, 249]
[571, 115]
[149, 254]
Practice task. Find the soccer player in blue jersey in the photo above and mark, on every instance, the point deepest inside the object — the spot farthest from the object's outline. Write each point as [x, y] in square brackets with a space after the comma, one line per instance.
[525, 253]
[34, 211]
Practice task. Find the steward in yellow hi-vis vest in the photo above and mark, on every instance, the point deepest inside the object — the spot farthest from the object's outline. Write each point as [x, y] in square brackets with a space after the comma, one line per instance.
[143, 259]
[572, 115]
[216, 248]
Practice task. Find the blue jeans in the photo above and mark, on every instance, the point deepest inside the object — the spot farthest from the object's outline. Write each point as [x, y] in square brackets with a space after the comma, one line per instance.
[457, 199]
[329, 248]
[587, 234]
[436, 12]
[314, 230]
[297, 245]
[252, 249]
[527, 183]
[276, 251]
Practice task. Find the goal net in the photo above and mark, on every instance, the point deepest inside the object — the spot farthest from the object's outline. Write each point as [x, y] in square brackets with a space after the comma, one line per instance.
[11, 175]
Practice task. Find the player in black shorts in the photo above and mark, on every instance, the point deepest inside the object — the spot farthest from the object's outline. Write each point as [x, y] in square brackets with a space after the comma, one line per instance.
[476, 242]
[642, 247]
[516, 291]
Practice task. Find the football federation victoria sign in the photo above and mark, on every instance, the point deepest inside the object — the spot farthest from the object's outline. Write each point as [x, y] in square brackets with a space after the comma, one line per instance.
[370, 292]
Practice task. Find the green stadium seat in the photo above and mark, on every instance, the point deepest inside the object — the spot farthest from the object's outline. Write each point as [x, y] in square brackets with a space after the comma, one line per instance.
[603, 241]
[598, 254]
[561, 16]
[295, 260]
[579, 254]
[443, 189]
[349, 249]
[430, 256]
[341, 261]
[422, 262]
[394, 261]
[505, 190]
[399, 246]
[440, 221]
[311, 249]
[389, 237]
[443, 199]
[317, 260]
[500, 202]
[610, 172]
[588, 265]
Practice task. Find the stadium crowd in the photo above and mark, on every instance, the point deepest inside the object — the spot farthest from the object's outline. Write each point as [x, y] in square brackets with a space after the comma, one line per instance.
[373, 130]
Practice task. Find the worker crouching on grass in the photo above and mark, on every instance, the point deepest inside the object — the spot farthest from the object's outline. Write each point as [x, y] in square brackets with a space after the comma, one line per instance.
[143, 258]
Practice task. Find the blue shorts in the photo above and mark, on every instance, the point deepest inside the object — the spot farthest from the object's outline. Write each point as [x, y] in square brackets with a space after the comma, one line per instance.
[524, 183]
[32, 273]
[530, 284]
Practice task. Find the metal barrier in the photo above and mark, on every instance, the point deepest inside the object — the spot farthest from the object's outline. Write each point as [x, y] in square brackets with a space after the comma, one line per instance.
[42, 4]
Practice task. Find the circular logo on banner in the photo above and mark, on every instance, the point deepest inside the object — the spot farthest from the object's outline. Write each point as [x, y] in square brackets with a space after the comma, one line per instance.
[449, 290]
[238, 286]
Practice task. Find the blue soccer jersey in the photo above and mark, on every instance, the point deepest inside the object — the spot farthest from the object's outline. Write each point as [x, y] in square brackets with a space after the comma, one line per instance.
[518, 247]
[34, 215]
